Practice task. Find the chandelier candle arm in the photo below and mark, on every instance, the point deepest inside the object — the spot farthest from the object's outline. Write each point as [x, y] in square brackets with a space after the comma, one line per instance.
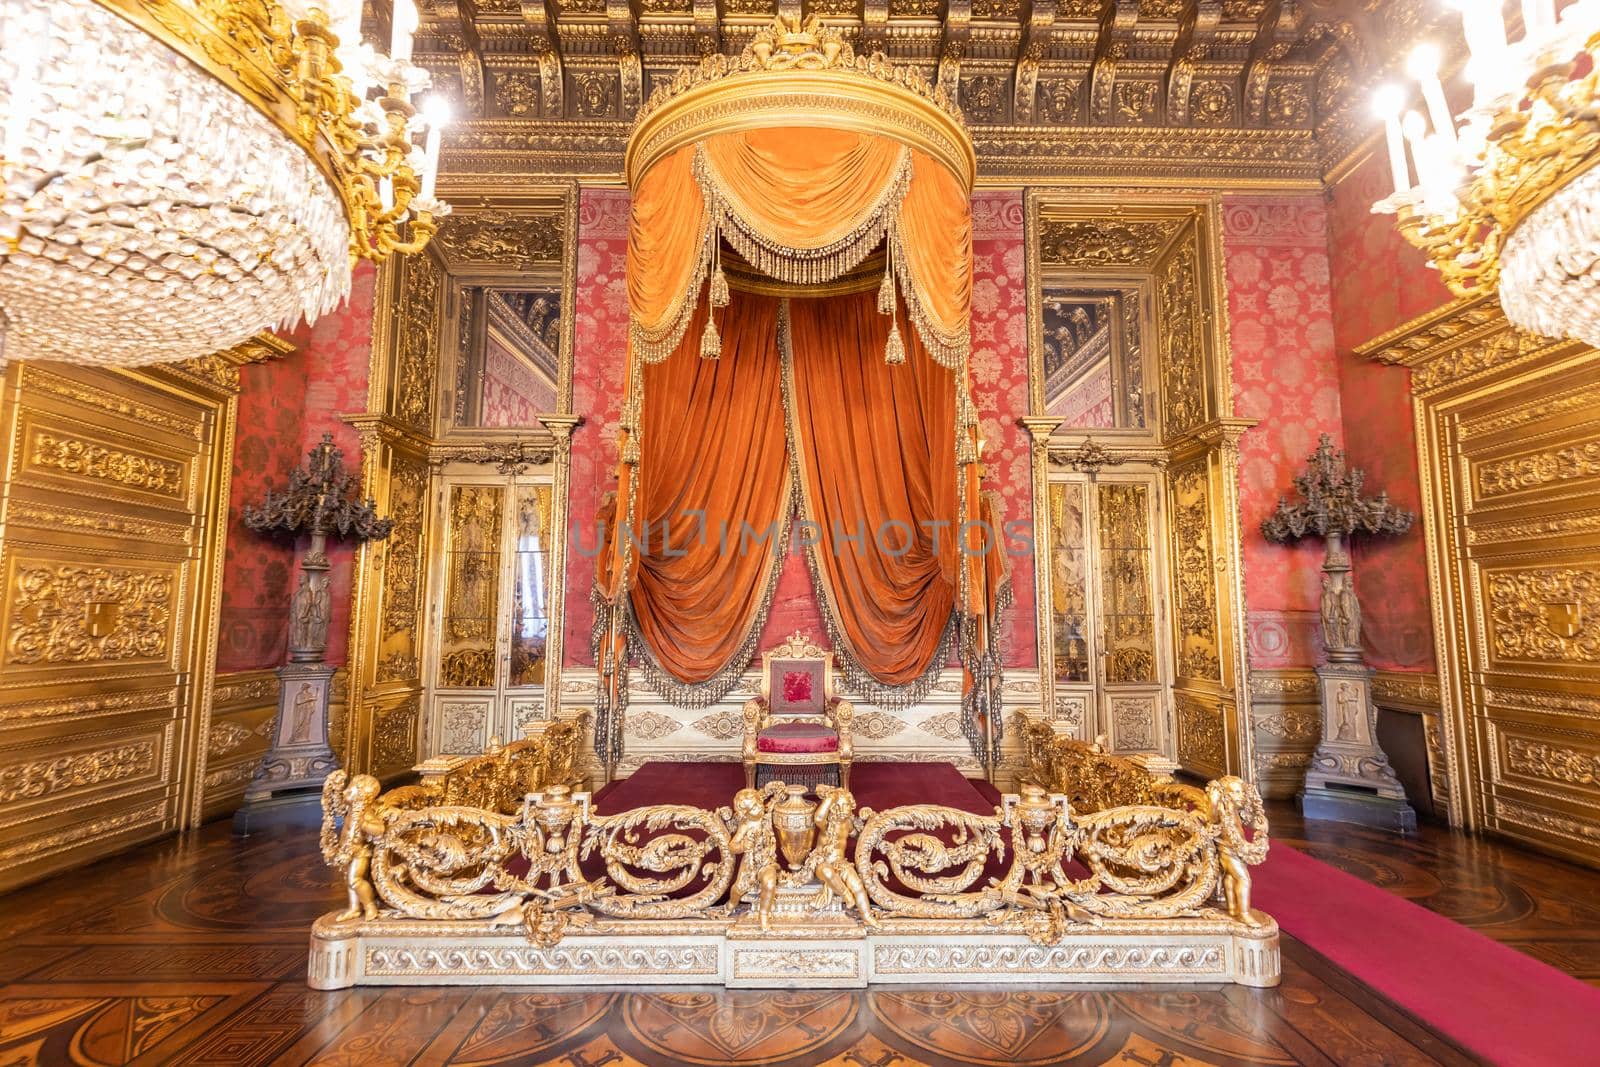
[1505, 199]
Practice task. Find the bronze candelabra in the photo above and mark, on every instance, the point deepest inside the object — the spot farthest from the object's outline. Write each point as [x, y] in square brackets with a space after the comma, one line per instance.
[322, 500]
[1350, 777]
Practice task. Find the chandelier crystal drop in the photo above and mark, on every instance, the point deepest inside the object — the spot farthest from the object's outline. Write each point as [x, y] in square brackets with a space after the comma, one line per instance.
[1506, 200]
[169, 195]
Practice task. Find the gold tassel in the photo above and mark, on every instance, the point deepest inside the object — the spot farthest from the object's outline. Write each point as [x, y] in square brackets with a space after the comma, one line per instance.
[710, 340]
[630, 450]
[886, 294]
[894, 353]
[966, 451]
[719, 288]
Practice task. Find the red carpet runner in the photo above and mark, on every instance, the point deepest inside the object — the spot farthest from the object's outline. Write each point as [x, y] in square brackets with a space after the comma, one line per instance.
[1493, 1000]
[1500, 1004]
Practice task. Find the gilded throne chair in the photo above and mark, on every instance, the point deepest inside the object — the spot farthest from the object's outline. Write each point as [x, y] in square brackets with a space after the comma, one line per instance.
[798, 727]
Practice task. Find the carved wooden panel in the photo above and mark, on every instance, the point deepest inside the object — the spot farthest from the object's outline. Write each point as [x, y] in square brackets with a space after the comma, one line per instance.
[112, 527]
[1202, 743]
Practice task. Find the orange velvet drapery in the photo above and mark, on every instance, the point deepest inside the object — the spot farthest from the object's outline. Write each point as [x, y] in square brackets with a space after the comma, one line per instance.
[885, 453]
[874, 446]
[811, 191]
[711, 464]
[803, 188]
[666, 249]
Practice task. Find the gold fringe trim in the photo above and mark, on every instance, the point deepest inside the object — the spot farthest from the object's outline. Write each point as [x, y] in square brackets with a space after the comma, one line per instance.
[949, 350]
[653, 346]
[802, 266]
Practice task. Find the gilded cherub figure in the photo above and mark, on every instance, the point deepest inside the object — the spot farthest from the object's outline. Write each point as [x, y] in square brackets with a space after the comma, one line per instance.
[835, 822]
[1234, 805]
[757, 844]
[350, 846]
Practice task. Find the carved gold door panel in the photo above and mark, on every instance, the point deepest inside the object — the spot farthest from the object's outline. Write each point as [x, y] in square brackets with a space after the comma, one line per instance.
[114, 489]
[1528, 475]
[1509, 447]
[492, 620]
[1107, 661]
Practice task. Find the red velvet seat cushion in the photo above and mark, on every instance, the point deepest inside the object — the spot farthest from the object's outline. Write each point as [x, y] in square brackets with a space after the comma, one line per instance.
[797, 737]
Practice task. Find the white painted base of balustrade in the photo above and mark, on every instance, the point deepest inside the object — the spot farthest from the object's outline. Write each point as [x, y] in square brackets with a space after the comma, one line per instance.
[1200, 950]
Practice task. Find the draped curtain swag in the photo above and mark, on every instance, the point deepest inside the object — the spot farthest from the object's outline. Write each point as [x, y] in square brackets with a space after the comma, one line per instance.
[849, 412]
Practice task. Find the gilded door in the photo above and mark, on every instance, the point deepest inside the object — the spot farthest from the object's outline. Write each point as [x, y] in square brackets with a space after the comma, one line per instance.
[111, 528]
[1107, 659]
[490, 622]
[1516, 494]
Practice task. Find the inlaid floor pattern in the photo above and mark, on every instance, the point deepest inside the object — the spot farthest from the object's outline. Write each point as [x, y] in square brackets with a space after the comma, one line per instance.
[192, 951]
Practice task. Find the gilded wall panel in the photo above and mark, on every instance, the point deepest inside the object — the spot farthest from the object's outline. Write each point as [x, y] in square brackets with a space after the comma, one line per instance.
[1183, 369]
[99, 464]
[69, 615]
[1199, 652]
[1507, 444]
[110, 557]
[1543, 614]
[1202, 744]
[243, 706]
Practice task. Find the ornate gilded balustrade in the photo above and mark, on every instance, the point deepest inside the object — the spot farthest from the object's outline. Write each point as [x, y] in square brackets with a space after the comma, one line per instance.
[501, 778]
[454, 880]
[1093, 780]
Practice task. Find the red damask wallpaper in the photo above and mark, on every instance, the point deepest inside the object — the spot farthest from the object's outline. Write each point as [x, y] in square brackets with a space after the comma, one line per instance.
[601, 330]
[1286, 375]
[1380, 282]
[257, 576]
[285, 406]
[1000, 386]
[513, 392]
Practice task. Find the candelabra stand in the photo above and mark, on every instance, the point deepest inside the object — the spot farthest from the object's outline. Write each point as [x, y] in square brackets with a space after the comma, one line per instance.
[1350, 778]
[320, 501]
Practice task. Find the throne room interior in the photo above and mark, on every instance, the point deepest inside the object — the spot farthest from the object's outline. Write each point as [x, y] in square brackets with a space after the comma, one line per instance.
[456, 607]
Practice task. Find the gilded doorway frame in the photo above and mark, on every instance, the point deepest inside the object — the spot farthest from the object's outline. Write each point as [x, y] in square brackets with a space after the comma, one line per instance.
[1505, 429]
[1170, 248]
[494, 237]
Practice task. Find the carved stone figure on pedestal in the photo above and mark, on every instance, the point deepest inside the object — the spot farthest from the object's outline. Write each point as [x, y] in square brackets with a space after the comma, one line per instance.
[321, 500]
[1350, 777]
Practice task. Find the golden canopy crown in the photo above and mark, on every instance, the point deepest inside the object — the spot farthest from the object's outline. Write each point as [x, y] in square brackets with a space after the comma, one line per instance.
[801, 74]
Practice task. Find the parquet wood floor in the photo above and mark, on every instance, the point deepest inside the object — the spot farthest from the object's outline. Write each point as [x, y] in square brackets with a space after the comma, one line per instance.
[192, 951]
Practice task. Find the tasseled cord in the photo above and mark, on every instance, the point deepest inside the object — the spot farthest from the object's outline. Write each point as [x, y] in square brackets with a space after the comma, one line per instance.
[894, 353]
[718, 297]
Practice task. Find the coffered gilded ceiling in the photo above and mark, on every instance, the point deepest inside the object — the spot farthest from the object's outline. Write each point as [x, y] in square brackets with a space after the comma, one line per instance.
[1234, 91]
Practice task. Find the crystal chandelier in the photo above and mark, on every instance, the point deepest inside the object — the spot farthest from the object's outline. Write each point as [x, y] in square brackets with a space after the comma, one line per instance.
[182, 174]
[1506, 196]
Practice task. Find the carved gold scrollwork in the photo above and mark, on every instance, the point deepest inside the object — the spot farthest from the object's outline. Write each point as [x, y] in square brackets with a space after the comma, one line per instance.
[92, 460]
[458, 847]
[1546, 613]
[62, 613]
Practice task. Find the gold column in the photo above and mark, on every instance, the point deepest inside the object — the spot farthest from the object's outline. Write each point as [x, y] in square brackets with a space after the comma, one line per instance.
[1040, 428]
[561, 427]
